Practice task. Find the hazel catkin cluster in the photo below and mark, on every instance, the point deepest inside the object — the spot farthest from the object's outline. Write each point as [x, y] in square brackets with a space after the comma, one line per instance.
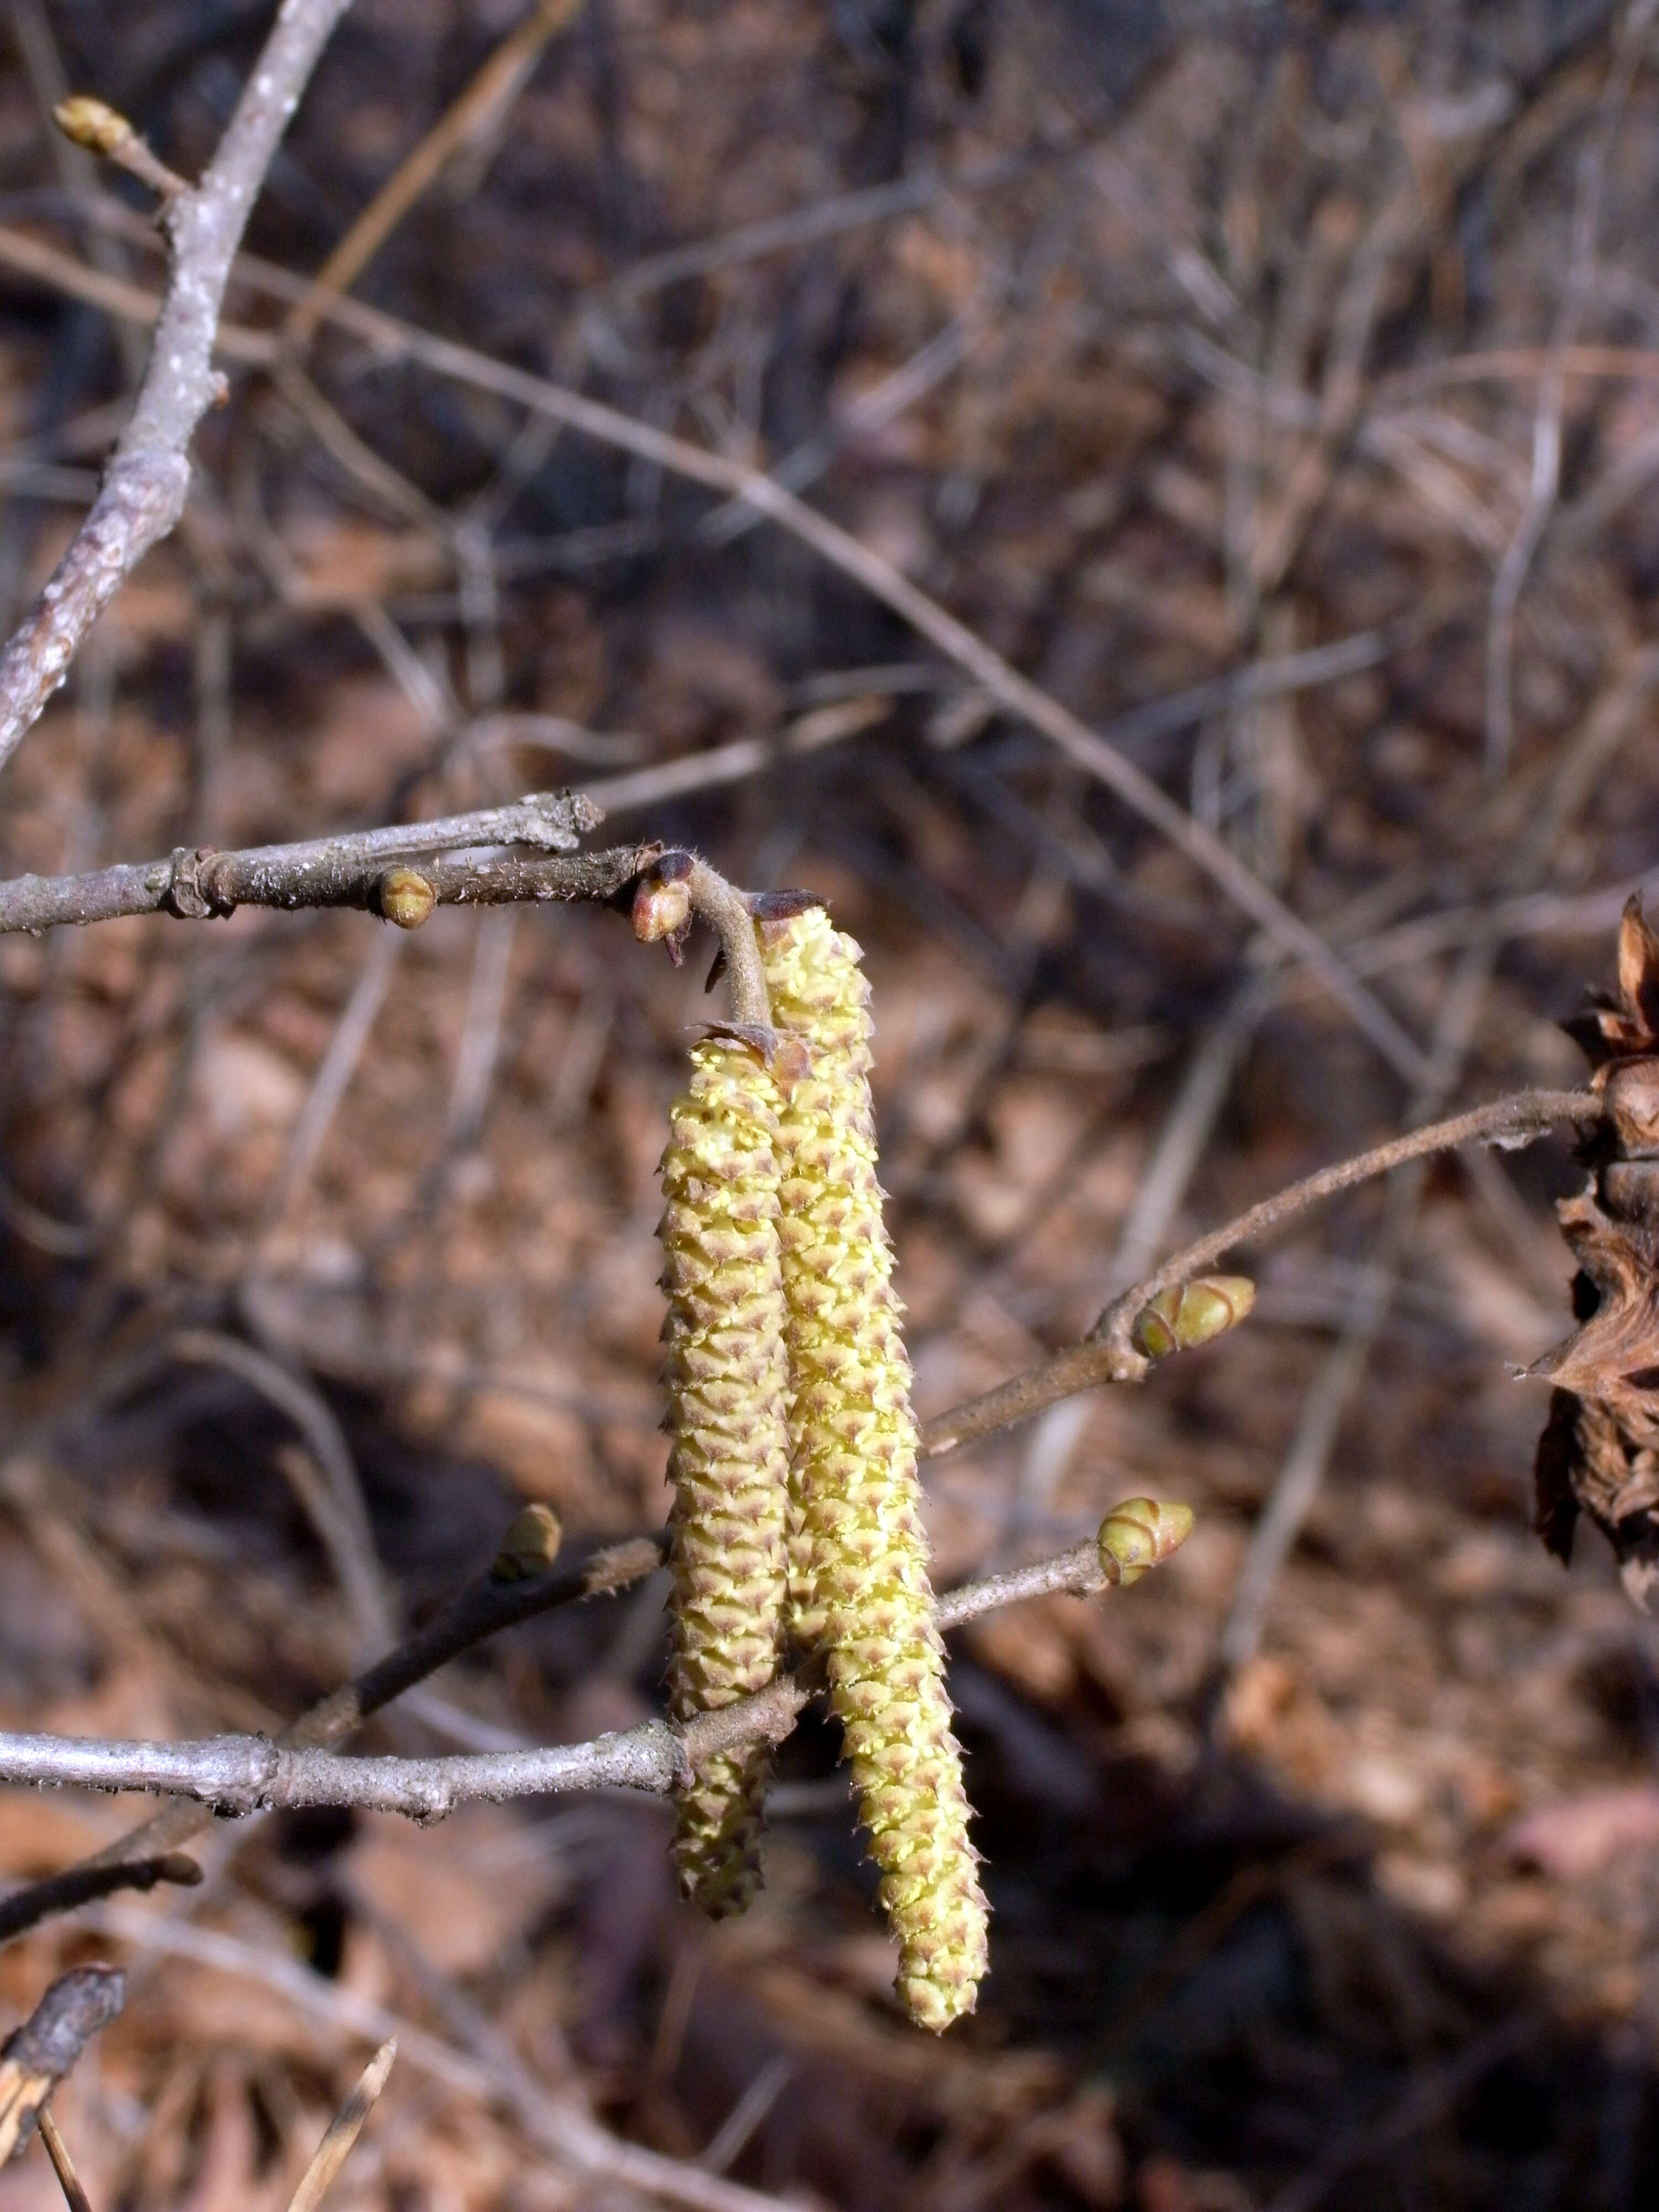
[796, 1506]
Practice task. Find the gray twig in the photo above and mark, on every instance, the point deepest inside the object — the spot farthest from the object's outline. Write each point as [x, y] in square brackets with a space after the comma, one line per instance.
[1107, 1354]
[241, 1774]
[143, 491]
[348, 870]
[480, 1611]
[1002, 683]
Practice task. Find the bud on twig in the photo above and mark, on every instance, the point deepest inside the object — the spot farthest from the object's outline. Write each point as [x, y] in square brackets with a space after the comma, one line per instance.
[1189, 1314]
[530, 1546]
[662, 903]
[1139, 1535]
[405, 896]
[93, 124]
[102, 130]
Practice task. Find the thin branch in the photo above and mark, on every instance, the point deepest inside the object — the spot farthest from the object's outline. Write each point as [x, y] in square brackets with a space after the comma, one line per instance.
[478, 111]
[29, 256]
[476, 1614]
[85, 1885]
[554, 2122]
[1107, 1354]
[393, 338]
[144, 489]
[334, 1505]
[238, 1775]
[343, 2131]
[1545, 483]
[62, 2165]
[347, 870]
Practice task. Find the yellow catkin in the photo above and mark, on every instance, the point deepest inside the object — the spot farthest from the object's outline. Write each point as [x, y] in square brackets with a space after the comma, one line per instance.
[859, 1556]
[726, 1374]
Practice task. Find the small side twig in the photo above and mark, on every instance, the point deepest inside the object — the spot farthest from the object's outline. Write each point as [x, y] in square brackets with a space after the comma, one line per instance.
[85, 1885]
[343, 2129]
[1109, 1354]
[62, 2164]
[36, 2057]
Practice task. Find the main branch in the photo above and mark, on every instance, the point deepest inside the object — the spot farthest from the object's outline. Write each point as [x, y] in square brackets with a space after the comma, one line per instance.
[242, 1774]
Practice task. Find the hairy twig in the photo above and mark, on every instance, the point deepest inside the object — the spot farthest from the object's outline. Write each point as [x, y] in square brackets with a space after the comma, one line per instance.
[143, 490]
[237, 1775]
[1107, 1354]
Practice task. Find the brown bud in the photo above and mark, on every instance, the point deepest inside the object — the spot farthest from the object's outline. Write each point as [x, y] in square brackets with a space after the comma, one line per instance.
[1139, 1533]
[93, 124]
[1189, 1314]
[1632, 1097]
[530, 1546]
[661, 908]
[405, 896]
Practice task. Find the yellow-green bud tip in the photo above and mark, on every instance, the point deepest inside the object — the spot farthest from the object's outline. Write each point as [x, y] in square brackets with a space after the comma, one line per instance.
[405, 897]
[1141, 1533]
[1189, 1314]
[92, 123]
[530, 1546]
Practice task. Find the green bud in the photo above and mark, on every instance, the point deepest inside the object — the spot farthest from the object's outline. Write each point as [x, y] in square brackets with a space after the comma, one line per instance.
[92, 123]
[405, 896]
[1141, 1533]
[1190, 1313]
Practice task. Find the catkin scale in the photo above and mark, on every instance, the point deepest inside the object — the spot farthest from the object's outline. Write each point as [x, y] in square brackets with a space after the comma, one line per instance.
[726, 1374]
[859, 1582]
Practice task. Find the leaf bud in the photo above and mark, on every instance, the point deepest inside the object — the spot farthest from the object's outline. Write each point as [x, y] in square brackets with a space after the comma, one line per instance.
[1632, 1091]
[405, 896]
[1190, 1313]
[1139, 1533]
[93, 124]
[530, 1546]
[660, 910]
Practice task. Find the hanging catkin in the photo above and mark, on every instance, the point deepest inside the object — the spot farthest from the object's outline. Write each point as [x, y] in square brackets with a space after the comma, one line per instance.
[859, 1561]
[726, 1376]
